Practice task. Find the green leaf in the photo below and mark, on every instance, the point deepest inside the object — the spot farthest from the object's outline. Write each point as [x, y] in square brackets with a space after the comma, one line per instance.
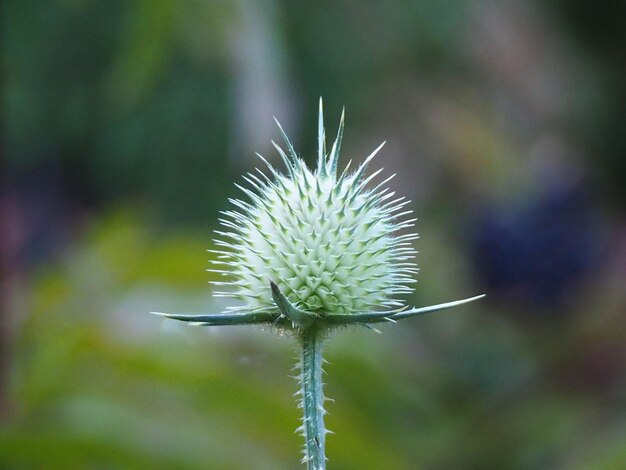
[219, 319]
[297, 316]
[345, 319]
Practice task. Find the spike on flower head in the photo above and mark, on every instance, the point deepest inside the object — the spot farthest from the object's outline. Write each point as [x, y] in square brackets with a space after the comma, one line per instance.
[329, 242]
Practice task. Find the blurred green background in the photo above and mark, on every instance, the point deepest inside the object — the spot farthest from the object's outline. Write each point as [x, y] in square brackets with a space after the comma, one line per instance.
[125, 125]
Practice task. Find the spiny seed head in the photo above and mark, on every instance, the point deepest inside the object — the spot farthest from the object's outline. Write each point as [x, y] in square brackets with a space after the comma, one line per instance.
[329, 242]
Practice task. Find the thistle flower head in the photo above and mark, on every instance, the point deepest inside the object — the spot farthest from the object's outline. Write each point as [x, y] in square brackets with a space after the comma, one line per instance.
[330, 242]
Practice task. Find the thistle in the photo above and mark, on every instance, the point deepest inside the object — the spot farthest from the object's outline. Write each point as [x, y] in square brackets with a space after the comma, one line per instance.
[310, 251]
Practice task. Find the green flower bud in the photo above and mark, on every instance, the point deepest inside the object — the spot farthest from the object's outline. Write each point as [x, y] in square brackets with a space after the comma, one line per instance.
[330, 242]
[310, 250]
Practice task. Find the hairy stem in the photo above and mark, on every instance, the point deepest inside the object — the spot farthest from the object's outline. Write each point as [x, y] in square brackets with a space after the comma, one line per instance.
[313, 399]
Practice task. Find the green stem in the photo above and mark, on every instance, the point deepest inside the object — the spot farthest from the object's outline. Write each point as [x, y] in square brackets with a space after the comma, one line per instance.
[313, 399]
